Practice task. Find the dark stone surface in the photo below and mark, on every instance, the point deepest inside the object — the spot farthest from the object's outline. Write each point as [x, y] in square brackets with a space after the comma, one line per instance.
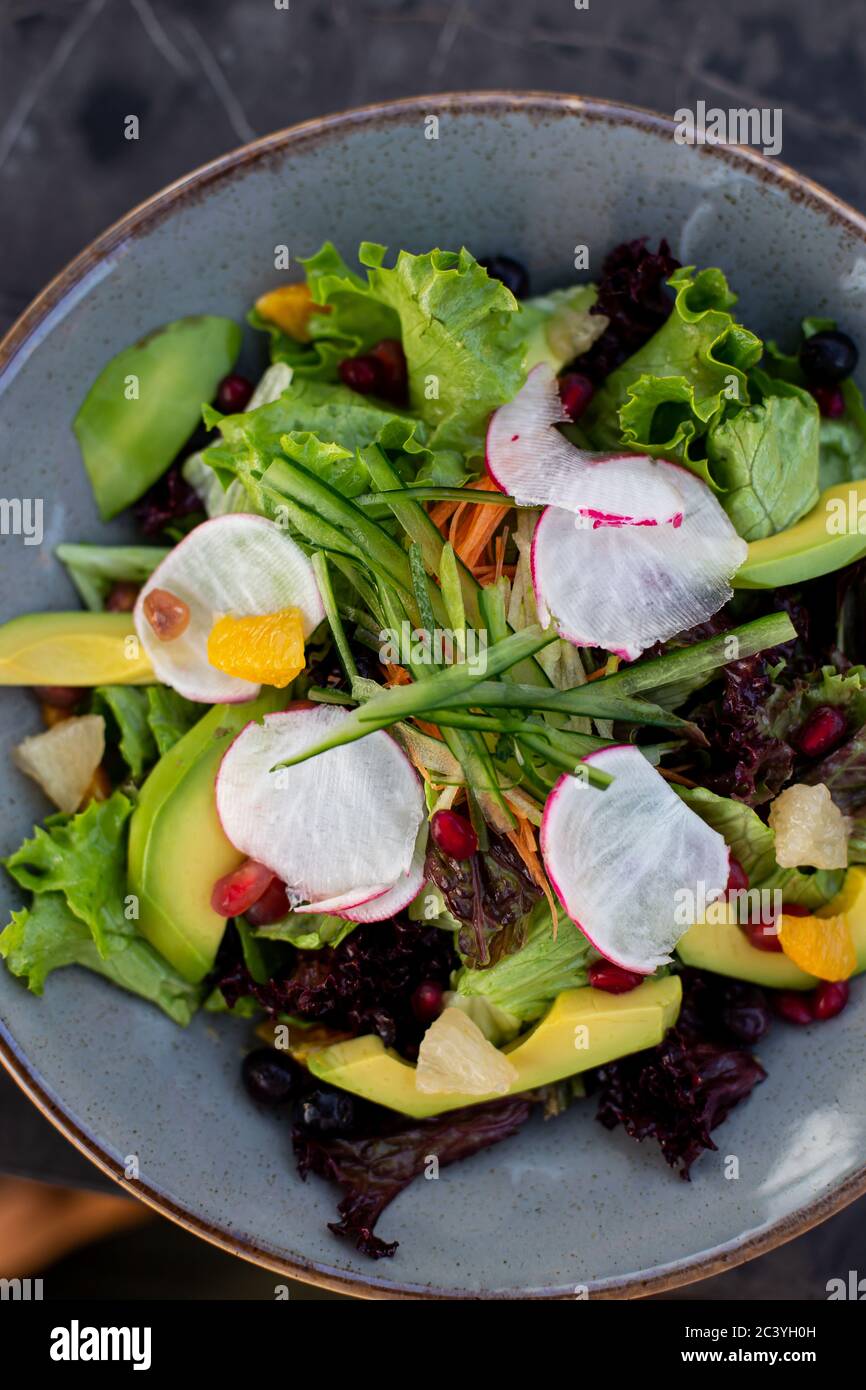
[203, 76]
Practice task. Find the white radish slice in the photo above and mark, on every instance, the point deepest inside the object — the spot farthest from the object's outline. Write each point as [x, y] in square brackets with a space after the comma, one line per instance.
[343, 824]
[624, 589]
[529, 458]
[405, 890]
[631, 864]
[337, 906]
[239, 564]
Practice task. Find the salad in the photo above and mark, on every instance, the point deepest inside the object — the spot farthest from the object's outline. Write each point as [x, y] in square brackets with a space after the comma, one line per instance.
[480, 712]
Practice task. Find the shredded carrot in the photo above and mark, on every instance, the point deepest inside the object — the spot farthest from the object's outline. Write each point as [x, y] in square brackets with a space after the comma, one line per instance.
[397, 675]
[440, 512]
[523, 840]
[469, 525]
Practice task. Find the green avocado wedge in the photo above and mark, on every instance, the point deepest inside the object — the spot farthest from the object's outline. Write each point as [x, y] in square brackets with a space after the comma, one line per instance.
[826, 539]
[177, 849]
[724, 948]
[147, 401]
[583, 1028]
[78, 648]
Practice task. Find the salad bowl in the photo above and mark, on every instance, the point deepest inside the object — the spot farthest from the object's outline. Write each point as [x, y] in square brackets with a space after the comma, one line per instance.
[562, 1210]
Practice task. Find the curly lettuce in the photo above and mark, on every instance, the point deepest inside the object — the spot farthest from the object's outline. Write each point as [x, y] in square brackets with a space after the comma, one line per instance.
[75, 867]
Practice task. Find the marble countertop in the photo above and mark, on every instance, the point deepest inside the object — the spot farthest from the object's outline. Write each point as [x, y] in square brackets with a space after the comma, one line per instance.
[204, 76]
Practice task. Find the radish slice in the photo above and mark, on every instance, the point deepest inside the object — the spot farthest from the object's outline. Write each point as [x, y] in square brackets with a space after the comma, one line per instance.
[239, 564]
[343, 825]
[338, 905]
[631, 864]
[529, 458]
[624, 589]
[405, 890]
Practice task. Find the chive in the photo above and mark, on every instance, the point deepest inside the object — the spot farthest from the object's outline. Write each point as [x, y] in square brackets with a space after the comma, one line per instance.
[452, 592]
[438, 494]
[323, 579]
[421, 590]
[703, 657]
[458, 680]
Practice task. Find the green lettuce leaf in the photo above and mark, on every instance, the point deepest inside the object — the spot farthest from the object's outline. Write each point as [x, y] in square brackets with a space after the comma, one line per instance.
[144, 721]
[170, 716]
[525, 983]
[83, 857]
[753, 844]
[75, 866]
[125, 709]
[49, 935]
[455, 326]
[93, 569]
[307, 931]
[665, 397]
[557, 327]
[764, 458]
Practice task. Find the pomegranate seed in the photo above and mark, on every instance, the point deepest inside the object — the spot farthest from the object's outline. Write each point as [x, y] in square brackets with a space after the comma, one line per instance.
[453, 834]
[793, 1006]
[235, 892]
[233, 394]
[738, 879]
[829, 999]
[167, 614]
[121, 597]
[822, 731]
[426, 1001]
[603, 974]
[575, 391]
[394, 373]
[63, 696]
[361, 374]
[272, 906]
[831, 402]
[763, 935]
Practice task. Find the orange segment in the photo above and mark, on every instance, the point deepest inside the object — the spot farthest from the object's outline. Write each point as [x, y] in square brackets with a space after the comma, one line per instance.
[821, 946]
[267, 647]
[290, 307]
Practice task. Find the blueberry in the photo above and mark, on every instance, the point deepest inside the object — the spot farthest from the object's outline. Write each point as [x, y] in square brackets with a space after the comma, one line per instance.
[513, 275]
[270, 1076]
[828, 357]
[326, 1112]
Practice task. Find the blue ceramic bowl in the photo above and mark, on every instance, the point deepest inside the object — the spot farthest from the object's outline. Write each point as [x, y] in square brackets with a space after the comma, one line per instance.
[564, 1204]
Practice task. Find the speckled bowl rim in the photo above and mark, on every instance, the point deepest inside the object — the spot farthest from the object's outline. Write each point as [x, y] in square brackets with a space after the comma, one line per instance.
[148, 214]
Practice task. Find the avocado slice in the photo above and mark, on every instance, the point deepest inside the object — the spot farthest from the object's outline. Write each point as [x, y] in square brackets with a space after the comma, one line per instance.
[724, 948]
[616, 1025]
[177, 849]
[76, 648]
[808, 548]
[147, 401]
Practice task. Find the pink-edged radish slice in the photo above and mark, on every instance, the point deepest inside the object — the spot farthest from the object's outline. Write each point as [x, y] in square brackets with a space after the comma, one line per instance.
[529, 458]
[405, 890]
[343, 825]
[338, 906]
[630, 864]
[239, 564]
[624, 589]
